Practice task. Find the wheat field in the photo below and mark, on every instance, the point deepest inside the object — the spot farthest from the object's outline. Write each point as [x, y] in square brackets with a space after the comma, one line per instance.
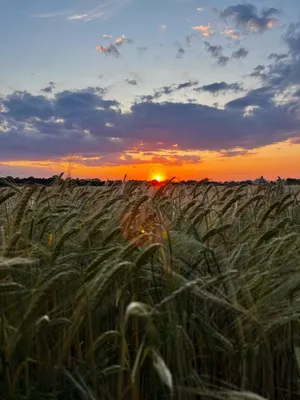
[130, 291]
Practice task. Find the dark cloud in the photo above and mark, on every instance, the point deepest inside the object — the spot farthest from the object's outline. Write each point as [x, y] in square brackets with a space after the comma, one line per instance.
[180, 53]
[223, 60]
[258, 71]
[49, 88]
[235, 153]
[247, 16]
[262, 97]
[166, 90]
[240, 53]
[284, 71]
[216, 52]
[277, 57]
[132, 82]
[220, 87]
[82, 122]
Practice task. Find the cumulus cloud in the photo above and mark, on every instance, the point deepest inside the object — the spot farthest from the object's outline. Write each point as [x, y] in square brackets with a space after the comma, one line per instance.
[205, 30]
[240, 53]
[246, 16]
[216, 52]
[220, 87]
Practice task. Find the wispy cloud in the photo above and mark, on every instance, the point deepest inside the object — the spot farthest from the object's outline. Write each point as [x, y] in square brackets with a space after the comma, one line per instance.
[77, 17]
[205, 30]
[104, 10]
[163, 27]
[112, 48]
[189, 39]
[231, 34]
[106, 36]
[142, 49]
[120, 40]
[180, 53]
[200, 9]
[51, 15]
[217, 53]
[220, 87]
[240, 53]
[109, 50]
[132, 82]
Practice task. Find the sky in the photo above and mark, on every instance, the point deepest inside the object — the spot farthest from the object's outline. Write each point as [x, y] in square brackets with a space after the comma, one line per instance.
[176, 88]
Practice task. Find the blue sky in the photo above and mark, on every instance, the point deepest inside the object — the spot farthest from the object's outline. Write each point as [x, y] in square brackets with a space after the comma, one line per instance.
[153, 47]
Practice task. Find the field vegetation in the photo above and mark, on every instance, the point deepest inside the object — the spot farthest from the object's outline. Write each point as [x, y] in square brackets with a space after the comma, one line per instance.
[130, 291]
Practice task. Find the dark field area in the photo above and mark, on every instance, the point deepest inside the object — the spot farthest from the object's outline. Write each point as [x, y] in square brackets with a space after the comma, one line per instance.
[130, 291]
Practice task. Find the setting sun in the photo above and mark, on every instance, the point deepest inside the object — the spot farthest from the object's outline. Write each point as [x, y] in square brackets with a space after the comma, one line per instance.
[158, 178]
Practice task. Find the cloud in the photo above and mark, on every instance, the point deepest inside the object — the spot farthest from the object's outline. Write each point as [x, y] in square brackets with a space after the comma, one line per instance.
[201, 9]
[81, 122]
[235, 153]
[240, 54]
[163, 27]
[247, 17]
[77, 17]
[49, 88]
[106, 36]
[205, 30]
[180, 53]
[109, 50]
[50, 15]
[189, 39]
[120, 40]
[231, 34]
[258, 71]
[112, 48]
[132, 82]
[223, 60]
[220, 87]
[217, 53]
[262, 97]
[166, 90]
[284, 71]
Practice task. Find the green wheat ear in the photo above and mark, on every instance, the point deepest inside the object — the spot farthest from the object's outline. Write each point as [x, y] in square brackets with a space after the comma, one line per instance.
[202, 301]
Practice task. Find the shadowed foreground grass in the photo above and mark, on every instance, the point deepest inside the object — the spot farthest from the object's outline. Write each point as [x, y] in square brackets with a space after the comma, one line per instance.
[133, 292]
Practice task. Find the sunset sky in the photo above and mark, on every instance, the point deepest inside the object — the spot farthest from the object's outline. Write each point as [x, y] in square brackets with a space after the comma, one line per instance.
[184, 88]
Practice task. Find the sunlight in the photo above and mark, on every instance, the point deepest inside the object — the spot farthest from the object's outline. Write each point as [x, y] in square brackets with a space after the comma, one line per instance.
[158, 178]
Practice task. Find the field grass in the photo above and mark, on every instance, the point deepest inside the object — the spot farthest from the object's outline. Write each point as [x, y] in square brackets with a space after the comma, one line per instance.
[136, 292]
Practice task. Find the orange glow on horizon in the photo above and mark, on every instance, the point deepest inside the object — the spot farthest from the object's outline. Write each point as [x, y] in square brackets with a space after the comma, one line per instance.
[280, 159]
